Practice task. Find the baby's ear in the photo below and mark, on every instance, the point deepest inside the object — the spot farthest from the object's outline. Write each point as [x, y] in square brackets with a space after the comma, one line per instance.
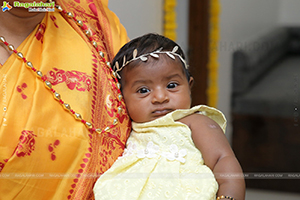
[191, 82]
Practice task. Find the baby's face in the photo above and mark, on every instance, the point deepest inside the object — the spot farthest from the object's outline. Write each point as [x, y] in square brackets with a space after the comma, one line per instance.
[155, 88]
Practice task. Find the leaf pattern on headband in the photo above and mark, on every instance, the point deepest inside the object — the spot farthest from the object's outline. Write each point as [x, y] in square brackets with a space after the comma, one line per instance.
[134, 54]
[175, 49]
[154, 55]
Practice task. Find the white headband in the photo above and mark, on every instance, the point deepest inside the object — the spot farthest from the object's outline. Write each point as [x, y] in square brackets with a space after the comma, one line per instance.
[154, 54]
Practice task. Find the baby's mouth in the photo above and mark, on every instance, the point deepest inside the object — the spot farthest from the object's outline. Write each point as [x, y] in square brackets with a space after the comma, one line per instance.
[161, 112]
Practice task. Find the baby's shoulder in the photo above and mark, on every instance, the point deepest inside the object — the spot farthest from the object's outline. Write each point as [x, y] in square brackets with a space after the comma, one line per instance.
[196, 118]
[200, 122]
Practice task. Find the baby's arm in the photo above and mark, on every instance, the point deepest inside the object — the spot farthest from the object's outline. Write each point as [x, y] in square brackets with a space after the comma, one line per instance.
[209, 138]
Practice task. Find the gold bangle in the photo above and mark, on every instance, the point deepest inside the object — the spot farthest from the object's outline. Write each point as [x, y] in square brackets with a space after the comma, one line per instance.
[225, 197]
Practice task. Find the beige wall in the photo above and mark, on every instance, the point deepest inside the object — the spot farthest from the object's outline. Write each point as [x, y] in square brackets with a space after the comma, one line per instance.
[289, 12]
[145, 16]
[240, 20]
[139, 16]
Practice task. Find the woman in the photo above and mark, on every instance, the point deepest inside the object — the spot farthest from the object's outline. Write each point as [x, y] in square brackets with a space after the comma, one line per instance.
[63, 121]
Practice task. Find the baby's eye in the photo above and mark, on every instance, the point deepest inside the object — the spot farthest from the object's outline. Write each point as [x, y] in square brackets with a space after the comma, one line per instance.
[143, 90]
[172, 85]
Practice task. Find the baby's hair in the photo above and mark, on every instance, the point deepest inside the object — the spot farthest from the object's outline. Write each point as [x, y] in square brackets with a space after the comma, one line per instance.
[146, 44]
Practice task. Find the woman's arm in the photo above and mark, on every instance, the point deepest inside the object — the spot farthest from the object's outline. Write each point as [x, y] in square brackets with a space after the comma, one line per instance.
[209, 138]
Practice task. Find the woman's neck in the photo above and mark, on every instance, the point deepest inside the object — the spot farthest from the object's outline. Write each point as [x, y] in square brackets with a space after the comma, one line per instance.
[15, 28]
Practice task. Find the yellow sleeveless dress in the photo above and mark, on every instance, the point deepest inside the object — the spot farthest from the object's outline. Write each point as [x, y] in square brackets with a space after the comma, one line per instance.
[161, 162]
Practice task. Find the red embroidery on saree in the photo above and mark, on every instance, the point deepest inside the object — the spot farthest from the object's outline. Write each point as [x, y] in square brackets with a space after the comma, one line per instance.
[53, 18]
[80, 171]
[40, 32]
[26, 144]
[73, 79]
[1, 166]
[110, 107]
[112, 141]
[51, 148]
[20, 89]
[90, 18]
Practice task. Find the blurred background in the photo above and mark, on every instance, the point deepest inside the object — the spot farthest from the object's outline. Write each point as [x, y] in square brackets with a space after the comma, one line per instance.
[244, 57]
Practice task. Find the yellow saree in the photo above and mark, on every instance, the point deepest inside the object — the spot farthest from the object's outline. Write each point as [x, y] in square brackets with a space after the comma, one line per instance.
[44, 152]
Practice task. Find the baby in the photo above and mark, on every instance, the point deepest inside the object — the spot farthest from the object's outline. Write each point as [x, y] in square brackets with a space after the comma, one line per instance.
[174, 151]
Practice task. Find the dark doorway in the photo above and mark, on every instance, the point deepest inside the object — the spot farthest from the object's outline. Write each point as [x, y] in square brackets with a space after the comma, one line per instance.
[198, 52]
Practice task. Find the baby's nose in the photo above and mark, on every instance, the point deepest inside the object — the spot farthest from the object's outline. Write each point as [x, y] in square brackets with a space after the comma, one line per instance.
[160, 96]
